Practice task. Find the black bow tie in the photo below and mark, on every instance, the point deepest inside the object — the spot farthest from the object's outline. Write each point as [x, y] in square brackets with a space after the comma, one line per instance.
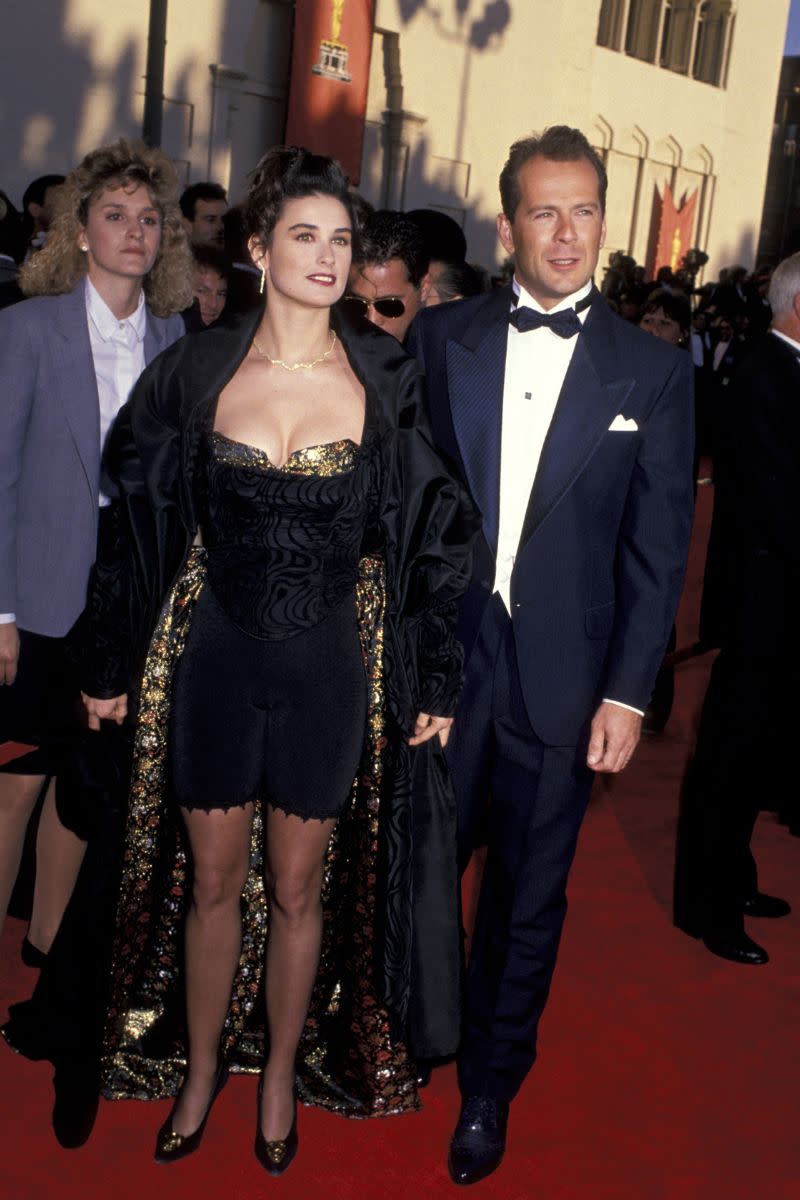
[565, 323]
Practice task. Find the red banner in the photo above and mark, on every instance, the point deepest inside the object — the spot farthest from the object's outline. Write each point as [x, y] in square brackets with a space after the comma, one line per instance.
[675, 231]
[329, 79]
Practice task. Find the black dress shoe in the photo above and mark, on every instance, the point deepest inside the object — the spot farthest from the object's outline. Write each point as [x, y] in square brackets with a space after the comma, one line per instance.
[31, 955]
[171, 1146]
[479, 1141]
[276, 1156]
[762, 905]
[738, 948]
[77, 1100]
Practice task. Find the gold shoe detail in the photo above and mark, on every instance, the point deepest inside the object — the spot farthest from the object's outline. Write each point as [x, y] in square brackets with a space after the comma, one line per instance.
[275, 1151]
[276, 1156]
[170, 1146]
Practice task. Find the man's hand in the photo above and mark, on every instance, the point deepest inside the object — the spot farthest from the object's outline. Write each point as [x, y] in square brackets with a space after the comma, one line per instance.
[615, 735]
[115, 709]
[9, 652]
[426, 726]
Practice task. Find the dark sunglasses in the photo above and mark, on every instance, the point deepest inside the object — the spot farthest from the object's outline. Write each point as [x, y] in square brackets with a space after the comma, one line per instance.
[387, 306]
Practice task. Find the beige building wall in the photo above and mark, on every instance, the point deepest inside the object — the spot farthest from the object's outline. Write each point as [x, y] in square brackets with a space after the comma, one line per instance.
[449, 93]
[452, 85]
[73, 76]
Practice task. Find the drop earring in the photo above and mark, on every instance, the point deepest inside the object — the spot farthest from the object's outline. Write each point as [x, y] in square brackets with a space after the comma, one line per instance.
[262, 282]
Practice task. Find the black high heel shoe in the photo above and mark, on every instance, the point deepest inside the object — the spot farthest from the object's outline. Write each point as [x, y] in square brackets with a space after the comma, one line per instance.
[31, 955]
[171, 1146]
[276, 1157]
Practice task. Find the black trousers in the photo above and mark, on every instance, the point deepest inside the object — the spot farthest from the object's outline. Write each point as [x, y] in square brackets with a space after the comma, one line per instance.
[529, 800]
[741, 764]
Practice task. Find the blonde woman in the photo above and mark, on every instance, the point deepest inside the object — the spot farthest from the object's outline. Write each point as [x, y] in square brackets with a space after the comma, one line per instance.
[104, 294]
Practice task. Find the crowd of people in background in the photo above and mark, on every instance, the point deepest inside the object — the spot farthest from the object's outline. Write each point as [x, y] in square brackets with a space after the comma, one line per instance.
[718, 322]
[419, 258]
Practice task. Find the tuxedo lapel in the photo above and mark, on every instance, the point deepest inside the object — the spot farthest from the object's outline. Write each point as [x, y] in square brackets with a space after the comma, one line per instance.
[593, 393]
[76, 382]
[475, 377]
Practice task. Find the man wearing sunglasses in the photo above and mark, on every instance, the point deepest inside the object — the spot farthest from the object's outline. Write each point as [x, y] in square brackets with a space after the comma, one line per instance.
[389, 281]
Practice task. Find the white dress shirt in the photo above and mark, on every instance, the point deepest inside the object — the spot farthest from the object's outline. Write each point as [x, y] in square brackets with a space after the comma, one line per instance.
[700, 342]
[720, 350]
[118, 356]
[536, 366]
[785, 338]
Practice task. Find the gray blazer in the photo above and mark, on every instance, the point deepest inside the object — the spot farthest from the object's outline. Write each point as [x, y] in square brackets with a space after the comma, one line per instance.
[50, 456]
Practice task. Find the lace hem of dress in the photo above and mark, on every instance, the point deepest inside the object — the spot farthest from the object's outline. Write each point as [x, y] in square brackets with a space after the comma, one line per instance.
[268, 802]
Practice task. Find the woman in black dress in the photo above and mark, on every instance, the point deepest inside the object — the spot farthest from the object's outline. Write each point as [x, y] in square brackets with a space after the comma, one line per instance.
[297, 450]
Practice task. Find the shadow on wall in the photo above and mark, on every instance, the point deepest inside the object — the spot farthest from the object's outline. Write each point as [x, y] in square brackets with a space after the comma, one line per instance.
[732, 254]
[65, 93]
[478, 21]
[477, 26]
[480, 231]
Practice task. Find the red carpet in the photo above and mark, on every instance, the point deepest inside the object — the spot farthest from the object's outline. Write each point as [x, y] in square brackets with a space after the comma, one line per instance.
[664, 1074]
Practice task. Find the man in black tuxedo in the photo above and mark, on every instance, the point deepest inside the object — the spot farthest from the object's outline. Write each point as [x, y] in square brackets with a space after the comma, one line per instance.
[573, 432]
[745, 746]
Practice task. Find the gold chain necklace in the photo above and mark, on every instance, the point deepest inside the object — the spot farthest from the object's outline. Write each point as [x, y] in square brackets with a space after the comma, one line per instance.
[305, 366]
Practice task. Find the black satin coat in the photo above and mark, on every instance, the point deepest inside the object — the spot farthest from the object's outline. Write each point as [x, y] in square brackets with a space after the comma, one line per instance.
[424, 531]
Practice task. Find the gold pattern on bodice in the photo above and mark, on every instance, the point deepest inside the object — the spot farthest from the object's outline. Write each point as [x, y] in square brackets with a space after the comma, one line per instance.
[323, 460]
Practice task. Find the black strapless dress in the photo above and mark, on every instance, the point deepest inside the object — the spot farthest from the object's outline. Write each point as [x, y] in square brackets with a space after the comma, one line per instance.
[269, 698]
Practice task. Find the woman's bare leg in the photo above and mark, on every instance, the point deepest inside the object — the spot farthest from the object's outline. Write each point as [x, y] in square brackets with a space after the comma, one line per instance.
[59, 854]
[220, 849]
[295, 853]
[18, 795]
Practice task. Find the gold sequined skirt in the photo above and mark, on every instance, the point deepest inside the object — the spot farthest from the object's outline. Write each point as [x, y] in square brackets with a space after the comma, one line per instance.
[349, 1060]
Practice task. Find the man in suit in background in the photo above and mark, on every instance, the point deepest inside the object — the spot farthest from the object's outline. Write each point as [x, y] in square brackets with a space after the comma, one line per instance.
[203, 208]
[573, 433]
[745, 746]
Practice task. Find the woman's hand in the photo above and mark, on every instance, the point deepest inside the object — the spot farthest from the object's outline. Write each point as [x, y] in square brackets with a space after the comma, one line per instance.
[115, 709]
[426, 726]
[9, 652]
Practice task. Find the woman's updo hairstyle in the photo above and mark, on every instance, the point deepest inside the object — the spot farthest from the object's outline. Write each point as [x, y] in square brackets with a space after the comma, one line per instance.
[289, 173]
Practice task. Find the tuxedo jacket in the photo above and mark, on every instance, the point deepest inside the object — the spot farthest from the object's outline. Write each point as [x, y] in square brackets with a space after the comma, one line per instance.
[50, 456]
[753, 566]
[601, 558]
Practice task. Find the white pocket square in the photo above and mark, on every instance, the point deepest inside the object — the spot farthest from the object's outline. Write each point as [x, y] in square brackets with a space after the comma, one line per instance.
[622, 424]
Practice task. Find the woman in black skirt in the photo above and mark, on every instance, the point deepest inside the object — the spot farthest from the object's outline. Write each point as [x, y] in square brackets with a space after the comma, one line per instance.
[298, 451]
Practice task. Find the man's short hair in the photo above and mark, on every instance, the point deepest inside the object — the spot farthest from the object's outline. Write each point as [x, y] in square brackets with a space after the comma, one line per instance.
[200, 191]
[459, 279]
[559, 143]
[36, 190]
[674, 305]
[387, 235]
[444, 237]
[784, 286]
[212, 258]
